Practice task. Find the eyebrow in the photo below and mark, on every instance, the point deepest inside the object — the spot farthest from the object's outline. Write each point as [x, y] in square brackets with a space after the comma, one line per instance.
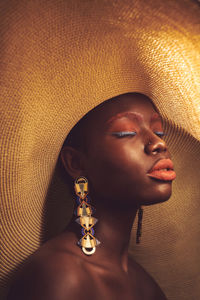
[129, 115]
[134, 116]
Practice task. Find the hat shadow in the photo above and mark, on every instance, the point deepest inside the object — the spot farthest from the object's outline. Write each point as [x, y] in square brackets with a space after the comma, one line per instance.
[59, 204]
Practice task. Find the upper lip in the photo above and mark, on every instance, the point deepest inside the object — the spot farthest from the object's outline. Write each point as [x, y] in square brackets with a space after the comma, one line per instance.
[164, 163]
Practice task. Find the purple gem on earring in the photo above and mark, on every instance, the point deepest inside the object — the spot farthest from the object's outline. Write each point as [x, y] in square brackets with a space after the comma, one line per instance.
[78, 200]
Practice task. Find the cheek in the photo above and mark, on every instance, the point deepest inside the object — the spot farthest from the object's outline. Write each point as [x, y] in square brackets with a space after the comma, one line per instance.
[115, 172]
[115, 160]
[128, 160]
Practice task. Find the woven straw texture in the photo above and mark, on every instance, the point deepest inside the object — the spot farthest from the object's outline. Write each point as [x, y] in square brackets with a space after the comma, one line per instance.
[61, 58]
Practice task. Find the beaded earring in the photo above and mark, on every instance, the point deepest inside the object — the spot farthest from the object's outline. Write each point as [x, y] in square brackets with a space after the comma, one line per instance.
[84, 211]
[139, 226]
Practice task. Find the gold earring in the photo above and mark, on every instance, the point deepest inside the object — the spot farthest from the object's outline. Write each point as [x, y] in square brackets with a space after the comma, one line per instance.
[84, 211]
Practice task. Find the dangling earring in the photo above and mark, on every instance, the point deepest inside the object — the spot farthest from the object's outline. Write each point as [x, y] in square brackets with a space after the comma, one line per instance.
[84, 211]
[139, 226]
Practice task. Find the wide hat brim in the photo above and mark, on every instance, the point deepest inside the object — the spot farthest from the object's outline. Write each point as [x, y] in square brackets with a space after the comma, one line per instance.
[59, 59]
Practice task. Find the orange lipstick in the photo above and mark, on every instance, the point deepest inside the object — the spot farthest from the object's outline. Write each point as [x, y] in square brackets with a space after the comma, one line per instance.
[163, 170]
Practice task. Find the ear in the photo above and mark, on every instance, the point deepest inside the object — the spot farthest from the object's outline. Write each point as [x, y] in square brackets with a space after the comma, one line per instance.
[73, 161]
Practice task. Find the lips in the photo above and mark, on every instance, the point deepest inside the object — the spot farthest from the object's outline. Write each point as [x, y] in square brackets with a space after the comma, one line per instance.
[163, 170]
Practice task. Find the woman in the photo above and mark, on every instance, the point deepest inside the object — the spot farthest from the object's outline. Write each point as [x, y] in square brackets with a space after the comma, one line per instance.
[60, 59]
[115, 146]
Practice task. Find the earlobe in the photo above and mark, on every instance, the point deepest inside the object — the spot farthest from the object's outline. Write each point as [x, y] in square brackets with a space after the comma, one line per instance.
[73, 161]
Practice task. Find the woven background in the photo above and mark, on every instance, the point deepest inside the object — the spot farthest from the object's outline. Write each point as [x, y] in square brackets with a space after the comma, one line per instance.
[59, 59]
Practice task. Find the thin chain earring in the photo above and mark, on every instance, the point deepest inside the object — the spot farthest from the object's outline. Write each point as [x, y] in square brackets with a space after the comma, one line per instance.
[139, 225]
[84, 211]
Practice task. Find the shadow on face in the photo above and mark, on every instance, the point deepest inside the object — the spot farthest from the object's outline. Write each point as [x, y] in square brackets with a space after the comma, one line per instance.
[115, 145]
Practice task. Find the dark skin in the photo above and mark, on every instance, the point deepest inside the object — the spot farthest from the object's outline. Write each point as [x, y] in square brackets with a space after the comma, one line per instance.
[116, 168]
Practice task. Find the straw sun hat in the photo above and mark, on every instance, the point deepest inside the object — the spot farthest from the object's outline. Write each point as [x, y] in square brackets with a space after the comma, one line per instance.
[61, 58]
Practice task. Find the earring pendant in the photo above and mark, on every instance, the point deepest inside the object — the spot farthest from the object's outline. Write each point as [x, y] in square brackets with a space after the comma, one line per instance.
[84, 212]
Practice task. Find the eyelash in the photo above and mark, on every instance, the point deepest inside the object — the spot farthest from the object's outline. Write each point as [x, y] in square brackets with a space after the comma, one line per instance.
[160, 133]
[124, 133]
[132, 133]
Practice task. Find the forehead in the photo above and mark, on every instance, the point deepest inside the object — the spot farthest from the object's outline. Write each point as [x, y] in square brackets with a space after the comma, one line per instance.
[136, 107]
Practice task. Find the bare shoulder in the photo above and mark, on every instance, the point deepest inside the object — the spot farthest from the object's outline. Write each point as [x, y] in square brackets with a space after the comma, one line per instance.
[145, 282]
[48, 274]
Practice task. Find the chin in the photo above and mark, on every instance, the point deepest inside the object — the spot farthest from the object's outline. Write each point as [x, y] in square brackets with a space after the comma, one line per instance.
[161, 194]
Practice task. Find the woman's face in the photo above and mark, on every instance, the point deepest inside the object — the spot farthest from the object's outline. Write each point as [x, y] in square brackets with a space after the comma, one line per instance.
[124, 141]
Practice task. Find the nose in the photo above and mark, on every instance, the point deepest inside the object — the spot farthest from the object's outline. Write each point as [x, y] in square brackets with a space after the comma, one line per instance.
[155, 146]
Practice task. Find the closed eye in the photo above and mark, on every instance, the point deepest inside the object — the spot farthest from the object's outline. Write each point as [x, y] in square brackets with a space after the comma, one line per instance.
[160, 133]
[121, 134]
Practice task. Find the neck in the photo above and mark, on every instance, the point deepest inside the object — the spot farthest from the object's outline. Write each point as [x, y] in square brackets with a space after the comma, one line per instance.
[113, 230]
